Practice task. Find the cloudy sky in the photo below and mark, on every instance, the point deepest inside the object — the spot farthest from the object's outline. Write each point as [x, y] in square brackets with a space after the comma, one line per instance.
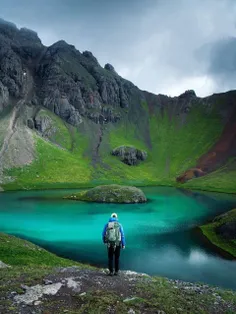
[163, 46]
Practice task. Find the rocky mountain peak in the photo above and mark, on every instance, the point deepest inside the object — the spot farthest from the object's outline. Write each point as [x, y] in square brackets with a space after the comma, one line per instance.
[61, 46]
[190, 93]
[28, 35]
[7, 29]
[7, 24]
[71, 84]
[90, 57]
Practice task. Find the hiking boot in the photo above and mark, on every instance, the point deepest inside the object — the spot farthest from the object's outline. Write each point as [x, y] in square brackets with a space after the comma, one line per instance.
[116, 273]
[110, 273]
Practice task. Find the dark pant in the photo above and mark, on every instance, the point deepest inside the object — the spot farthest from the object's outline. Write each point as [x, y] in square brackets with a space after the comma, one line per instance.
[113, 251]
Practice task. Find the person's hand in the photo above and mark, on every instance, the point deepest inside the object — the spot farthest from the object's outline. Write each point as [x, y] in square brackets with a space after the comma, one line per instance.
[123, 247]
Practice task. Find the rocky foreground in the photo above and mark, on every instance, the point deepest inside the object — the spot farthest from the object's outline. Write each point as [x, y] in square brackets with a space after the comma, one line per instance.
[76, 290]
[34, 281]
[111, 194]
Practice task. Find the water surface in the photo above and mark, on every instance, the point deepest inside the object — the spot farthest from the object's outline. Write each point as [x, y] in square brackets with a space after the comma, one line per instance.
[160, 234]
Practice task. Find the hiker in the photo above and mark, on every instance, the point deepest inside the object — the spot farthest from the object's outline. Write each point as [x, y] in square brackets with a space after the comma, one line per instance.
[113, 237]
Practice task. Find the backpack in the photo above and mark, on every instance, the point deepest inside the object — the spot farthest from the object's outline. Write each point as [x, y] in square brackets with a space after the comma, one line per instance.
[113, 235]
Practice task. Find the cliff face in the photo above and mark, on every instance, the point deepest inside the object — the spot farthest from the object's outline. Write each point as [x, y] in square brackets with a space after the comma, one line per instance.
[59, 109]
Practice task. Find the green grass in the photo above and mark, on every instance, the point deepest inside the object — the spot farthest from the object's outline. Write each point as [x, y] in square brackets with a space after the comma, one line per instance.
[15, 251]
[53, 167]
[60, 130]
[161, 294]
[176, 145]
[209, 231]
[221, 180]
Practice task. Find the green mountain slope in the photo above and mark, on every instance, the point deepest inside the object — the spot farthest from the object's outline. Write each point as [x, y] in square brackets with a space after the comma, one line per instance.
[62, 115]
[65, 159]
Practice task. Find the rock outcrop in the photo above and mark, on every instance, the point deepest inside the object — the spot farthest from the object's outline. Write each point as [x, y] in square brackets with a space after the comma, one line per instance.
[111, 194]
[3, 265]
[129, 155]
[190, 174]
[222, 231]
[69, 83]
[226, 225]
[4, 96]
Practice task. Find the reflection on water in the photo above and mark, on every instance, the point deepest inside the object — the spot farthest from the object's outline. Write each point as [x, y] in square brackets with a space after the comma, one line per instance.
[160, 236]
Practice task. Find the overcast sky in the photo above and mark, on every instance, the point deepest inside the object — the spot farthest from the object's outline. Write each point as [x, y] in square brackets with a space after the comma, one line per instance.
[163, 46]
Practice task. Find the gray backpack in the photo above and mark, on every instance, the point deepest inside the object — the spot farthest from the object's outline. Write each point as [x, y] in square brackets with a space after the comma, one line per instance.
[113, 235]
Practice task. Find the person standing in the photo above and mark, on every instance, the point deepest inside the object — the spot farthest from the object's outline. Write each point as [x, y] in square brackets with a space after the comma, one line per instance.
[113, 236]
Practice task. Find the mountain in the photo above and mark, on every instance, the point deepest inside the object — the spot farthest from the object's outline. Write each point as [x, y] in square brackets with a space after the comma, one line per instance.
[65, 121]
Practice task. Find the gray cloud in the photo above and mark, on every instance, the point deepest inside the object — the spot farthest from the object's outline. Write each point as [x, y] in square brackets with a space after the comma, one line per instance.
[221, 62]
[164, 46]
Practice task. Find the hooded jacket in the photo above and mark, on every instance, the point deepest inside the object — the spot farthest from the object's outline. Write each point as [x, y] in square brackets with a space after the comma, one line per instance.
[121, 231]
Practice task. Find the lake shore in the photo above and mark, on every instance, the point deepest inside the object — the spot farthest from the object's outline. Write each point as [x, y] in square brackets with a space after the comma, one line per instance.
[43, 282]
[224, 239]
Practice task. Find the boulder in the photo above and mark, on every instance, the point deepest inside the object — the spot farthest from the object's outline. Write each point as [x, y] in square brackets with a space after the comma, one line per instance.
[43, 123]
[111, 194]
[90, 56]
[109, 67]
[129, 155]
[30, 123]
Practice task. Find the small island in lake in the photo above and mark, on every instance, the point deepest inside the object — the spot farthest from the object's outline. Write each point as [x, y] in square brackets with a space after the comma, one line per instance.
[110, 194]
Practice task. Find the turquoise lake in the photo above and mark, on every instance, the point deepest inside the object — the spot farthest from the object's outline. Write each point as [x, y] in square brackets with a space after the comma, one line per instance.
[161, 236]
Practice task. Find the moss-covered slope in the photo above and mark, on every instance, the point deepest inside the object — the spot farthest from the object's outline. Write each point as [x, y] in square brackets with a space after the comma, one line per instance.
[222, 232]
[112, 193]
[15, 251]
[75, 157]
